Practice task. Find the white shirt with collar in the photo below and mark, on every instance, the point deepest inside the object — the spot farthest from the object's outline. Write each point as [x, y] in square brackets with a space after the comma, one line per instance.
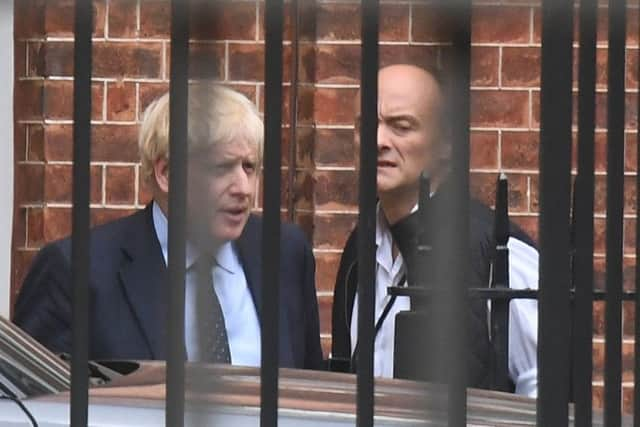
[523, 314]
[232, 289]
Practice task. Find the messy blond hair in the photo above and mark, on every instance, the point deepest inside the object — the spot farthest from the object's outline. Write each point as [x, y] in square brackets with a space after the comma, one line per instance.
[216, 115]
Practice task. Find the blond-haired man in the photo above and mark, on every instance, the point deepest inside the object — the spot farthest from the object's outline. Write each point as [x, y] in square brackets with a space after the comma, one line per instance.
[223, 258]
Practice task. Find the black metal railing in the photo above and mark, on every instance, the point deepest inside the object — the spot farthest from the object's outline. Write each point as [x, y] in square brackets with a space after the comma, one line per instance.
[555, 244]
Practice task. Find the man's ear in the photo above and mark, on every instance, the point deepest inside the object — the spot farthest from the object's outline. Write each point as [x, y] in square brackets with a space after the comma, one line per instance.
[161, 174]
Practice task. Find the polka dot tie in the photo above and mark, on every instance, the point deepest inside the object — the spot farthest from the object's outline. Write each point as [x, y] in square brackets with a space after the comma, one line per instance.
[212, 333]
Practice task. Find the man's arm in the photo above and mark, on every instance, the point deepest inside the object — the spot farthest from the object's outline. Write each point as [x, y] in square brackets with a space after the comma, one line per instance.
[43, 307]
[523, 318]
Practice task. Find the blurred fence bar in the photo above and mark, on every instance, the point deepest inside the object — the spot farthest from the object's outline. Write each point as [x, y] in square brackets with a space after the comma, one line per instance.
[367, 210]
[615, 199]
[178, 111]
[82, 64]
[582, 268]
[456, 245]
[555, 191]
[274, 17]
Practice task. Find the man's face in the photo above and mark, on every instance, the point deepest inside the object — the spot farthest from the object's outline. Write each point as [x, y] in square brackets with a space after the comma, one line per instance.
[221, 190]
[408, 99]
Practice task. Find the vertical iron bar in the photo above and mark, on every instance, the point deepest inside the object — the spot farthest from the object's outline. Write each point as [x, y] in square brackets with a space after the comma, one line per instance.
[274, 12]
[636, 387]
[367, 211]
[178, 135]
[500, 279]
[583, 257]
[615, 199]
[555, 194]
[457, 244]
[82, 57]
[294, 16]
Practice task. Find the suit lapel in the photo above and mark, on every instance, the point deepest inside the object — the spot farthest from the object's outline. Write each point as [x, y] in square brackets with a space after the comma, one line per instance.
[144, 280]
[249, 246]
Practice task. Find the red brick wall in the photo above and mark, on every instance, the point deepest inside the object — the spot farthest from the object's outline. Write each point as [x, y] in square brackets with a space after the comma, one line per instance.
[131, 66]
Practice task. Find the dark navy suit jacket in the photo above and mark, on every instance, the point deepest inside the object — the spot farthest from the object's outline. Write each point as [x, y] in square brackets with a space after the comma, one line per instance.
[128, 292]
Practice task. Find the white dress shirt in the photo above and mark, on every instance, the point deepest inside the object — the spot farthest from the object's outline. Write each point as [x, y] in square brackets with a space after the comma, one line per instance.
[523, 314]
[230, 285]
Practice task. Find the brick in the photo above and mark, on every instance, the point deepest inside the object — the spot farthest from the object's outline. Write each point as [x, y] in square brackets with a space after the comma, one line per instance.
[114, 143]
[394, 22]
[103, 215]
[324, 308]
[483, 150]
[56, 59]
[334, 190]
[144, 191]
[422, 56]
[284, 191]
[484, 66]
[629, 269]
[599, 361]
[431, 23]
[35, 149]
[59, 18]
[332, 230]
[57, 223]
[599, 235]
[20, 59]
[58, 183]
[35, 228]
[630, 199]
[303, 190]
[305, 147]
[155, 19]
[35, 59]
[58, 142]
[326, 270]
[29, 185]
[600, 194]
[130, 59]
[631, 70]
[529, 224]
[483, 187]
[500, 24]
[20, 131]
[226, 20]
[628, 319]
[500, 108]
[630, 152]
[246, 62]
[337, 22]
[334, 106]
[28, 19]
[598, 272]
[521, 66]
[148, 93]
[121, 101]
[57, 99]
[325, 343]
[28, 90]
[334, 147]
[628, 394]
[123, 16]
[336, 64]
[21, 261]
[629, 236]
[206, 61]
[598, 318]
[305, 221]
[520, 150]
[19, 235]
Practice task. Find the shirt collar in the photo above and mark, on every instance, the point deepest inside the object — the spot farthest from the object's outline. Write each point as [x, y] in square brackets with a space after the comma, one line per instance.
[225, 258]
[384, 240]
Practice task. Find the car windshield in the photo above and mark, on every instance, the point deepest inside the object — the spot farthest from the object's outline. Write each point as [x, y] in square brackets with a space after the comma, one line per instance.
[27, 368]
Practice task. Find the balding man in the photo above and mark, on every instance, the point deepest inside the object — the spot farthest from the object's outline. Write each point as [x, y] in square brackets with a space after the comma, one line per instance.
[410, 141]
